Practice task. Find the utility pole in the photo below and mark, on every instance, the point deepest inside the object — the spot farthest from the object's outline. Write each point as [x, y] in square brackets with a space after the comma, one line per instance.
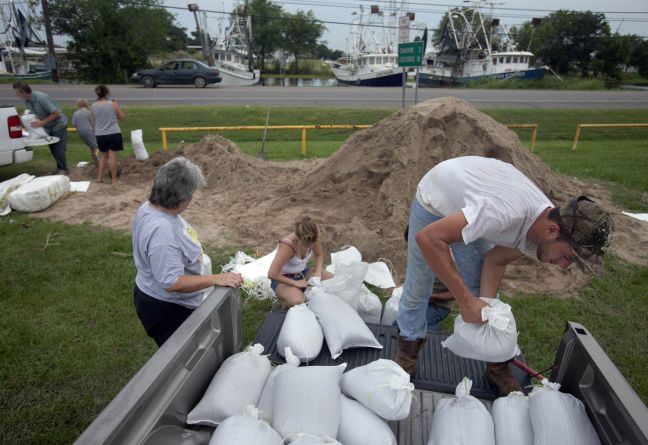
[50, 41]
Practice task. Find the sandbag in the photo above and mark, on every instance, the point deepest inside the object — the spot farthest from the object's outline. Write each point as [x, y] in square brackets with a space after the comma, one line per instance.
[309, 439]
[559, 418]
[8, 186]
[137, 141]
[302, 333]
[237, 383]
[369, 305]
[39, 193]
[33, 133]
[343, 328]
[512, 421]
[348, 255]
[382, 386]
[493, 341]
[463, 420]
[307, 400]
[391, 307]
[245, 429]
[265, 401]
[360, 426]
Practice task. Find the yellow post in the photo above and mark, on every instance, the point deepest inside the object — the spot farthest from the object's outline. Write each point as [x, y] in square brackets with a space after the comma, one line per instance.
[534, 135]
[303, 144]
[576, 137]
[164, 139]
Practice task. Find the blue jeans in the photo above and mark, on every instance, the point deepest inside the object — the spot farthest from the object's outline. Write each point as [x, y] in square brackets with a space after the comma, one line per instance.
[59, 148]
[414, 311]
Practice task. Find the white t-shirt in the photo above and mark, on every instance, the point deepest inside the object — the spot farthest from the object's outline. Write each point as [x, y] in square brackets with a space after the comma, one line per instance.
[499, 202]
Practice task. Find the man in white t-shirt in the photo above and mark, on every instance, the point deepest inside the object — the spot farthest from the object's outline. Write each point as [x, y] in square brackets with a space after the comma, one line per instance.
[489, 214]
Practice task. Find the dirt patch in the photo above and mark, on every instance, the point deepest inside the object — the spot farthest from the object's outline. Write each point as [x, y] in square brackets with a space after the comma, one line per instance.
[360, 195]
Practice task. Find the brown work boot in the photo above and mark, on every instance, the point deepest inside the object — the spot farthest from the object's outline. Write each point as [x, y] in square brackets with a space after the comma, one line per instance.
[407, 355]
[501, 376]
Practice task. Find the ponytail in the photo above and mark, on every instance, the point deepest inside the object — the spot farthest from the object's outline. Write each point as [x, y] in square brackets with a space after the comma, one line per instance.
[306, 231]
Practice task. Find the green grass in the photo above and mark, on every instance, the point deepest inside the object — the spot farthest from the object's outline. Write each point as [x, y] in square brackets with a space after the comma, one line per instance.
[69, 336]
[548, 82]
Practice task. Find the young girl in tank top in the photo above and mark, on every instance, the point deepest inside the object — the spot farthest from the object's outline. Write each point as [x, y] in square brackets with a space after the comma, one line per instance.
[289, 270]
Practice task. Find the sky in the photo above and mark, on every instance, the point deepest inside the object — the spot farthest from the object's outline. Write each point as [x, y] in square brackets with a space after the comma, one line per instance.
[624, 16]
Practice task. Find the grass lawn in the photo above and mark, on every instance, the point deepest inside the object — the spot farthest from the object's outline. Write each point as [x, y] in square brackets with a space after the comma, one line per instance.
[69, 336]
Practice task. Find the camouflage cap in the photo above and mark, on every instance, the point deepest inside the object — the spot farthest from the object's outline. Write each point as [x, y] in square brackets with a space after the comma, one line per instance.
[589, 226]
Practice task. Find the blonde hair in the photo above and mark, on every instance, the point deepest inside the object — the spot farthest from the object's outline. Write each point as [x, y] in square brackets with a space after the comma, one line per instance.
[82, 103]
[306, 231]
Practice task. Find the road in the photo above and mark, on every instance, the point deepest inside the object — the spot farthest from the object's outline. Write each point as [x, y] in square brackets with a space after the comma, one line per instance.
[338, 96]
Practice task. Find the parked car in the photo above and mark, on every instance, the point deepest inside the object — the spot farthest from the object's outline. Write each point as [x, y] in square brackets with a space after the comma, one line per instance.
[178, 72]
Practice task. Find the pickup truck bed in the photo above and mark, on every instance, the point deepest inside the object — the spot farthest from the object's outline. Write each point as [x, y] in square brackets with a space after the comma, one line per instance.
[152, 407]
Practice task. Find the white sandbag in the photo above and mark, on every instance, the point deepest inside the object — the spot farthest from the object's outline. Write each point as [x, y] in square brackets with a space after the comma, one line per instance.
[360, 426]
[369, 306]
[493, 341]
[343, 328]
[245, 429]
[8, 186]
[137, 141]
[39, 193]
[302, 333]
[34, 133]
[348, 289]
[559, 418]
[463, 420]
[251, 269]
[265, 401]
[512, 421]
[309, 439]
[237, 383]
[382, 386]
[378, 274]
[391, 307]
[307, 400]
[348, 255]
[339, 286]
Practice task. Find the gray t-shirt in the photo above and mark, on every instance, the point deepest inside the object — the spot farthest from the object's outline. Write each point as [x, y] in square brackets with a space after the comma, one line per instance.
[81, 121]
[42, 105]
[165, 247]
[105, 119]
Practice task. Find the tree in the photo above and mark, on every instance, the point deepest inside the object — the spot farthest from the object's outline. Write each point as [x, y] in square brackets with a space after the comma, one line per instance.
[109, 40]
[613, 52]
[639, 57]
[301, 33]
[266, 28]
[322, 51]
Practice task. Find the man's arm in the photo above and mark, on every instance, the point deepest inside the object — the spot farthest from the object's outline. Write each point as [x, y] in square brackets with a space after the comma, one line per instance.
[49, 119]
[494, 267]
[434, 241]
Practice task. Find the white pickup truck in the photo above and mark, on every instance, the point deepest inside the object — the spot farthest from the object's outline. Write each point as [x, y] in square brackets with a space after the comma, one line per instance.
[15, 145]
[152, 408]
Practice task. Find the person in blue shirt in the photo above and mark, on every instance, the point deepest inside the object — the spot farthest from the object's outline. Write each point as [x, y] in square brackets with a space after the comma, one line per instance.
[51, 117]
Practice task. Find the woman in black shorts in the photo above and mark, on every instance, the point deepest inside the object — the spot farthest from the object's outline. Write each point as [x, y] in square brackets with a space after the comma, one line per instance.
[106, 115]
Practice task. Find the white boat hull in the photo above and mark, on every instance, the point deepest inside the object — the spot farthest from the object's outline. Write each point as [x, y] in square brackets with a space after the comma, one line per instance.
[237, 78]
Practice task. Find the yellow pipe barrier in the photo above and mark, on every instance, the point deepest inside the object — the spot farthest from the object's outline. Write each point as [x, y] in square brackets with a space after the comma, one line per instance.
[534, 132]
[579, 126]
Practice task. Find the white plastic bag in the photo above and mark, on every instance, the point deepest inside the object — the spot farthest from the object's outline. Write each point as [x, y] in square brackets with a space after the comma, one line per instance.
[307, 400]
[379, 275]
[34, 133]
[493, 341]
[265, 401]
[360, 426]
[245, 429]
[343, 328]
[137, 140]
[559, 418]
[238, 382]
[369, 306]
[302, 333]
[512, 420]
[391, 307]
[40, 193]
[382, 386]
[463, 420]
[8, 186]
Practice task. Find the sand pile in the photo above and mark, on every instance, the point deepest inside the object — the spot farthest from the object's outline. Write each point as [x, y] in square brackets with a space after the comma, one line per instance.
[359, 196]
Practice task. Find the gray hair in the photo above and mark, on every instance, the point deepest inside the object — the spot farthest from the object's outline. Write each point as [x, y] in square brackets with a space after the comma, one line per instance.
[175, 182]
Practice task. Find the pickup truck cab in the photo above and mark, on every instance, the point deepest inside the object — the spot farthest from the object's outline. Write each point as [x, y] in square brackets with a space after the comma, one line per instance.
[15, 146]
[152, 408]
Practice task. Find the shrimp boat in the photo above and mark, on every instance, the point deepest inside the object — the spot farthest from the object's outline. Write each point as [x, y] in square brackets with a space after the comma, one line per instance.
[469, 53]
[371, 58]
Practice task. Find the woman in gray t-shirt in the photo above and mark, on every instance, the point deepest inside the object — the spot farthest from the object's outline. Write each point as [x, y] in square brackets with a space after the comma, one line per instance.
[105, 115]
[82, 122]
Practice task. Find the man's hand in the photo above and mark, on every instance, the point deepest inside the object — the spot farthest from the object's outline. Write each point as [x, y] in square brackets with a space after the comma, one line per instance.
[228, 279]
[470, 311]
[36, 124]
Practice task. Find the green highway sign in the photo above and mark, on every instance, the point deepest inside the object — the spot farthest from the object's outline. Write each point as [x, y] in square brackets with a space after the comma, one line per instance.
[410, 54]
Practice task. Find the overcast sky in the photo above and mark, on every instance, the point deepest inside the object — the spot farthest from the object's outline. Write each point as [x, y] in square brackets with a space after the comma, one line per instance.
[626, 16]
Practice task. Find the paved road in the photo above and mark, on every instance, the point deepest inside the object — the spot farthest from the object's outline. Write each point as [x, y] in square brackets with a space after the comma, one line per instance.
[339, 96]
